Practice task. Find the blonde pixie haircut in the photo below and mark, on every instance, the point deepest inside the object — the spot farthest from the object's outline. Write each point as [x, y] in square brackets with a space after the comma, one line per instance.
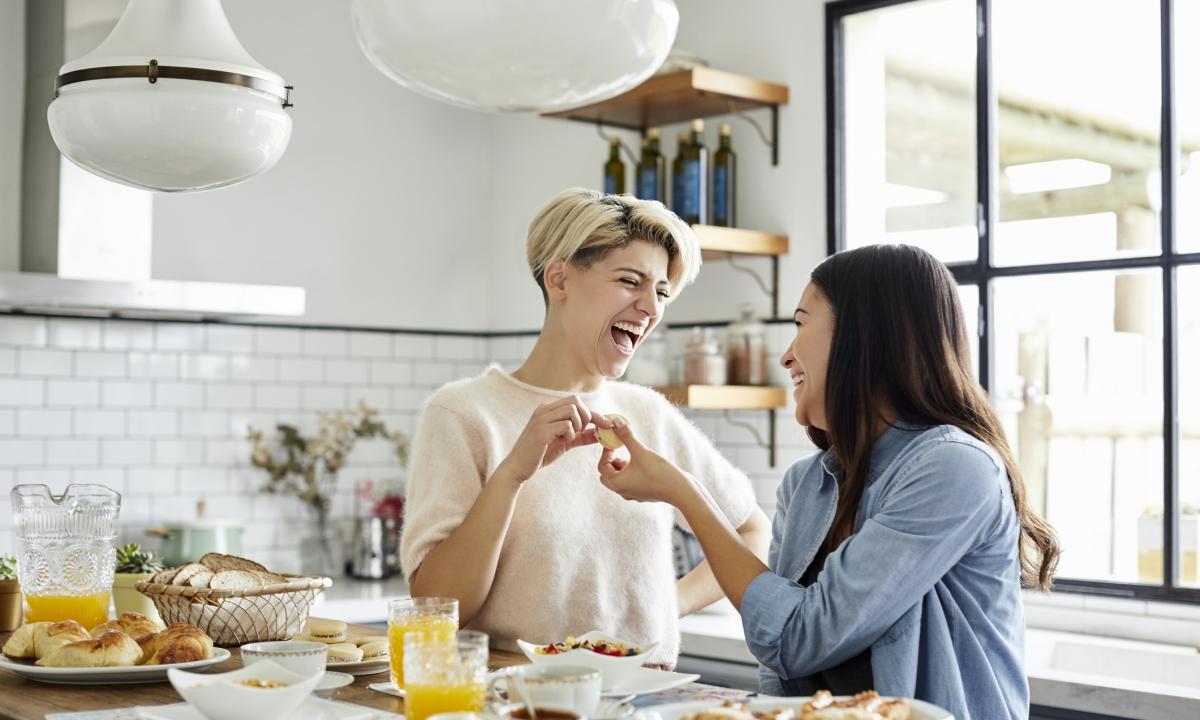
[582, 226]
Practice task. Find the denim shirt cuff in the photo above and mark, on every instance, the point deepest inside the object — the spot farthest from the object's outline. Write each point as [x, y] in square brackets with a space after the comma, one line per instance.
[767, 606]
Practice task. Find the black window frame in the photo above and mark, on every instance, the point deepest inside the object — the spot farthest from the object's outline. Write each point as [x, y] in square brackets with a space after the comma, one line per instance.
[982, 273]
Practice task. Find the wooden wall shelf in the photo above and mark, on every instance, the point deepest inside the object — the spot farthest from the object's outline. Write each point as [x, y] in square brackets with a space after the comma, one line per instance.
[720, 240]
[725, 397]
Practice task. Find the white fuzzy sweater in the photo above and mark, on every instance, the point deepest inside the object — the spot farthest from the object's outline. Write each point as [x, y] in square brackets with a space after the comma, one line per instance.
[577, 557]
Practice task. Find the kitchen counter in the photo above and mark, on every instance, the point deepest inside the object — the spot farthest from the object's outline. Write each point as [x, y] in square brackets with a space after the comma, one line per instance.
[359, 601]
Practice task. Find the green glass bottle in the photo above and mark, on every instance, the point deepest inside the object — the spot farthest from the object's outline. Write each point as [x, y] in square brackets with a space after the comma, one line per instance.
[724, 180]
[652, 170]
[693, 204]
[614, 169]
[677, 175]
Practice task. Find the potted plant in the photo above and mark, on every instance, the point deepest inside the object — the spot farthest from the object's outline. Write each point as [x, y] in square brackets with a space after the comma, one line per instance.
[10, 595]
[134, 565]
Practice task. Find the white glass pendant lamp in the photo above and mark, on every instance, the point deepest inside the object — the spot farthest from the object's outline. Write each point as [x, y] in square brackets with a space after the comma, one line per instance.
[517, 56]
[171, 101]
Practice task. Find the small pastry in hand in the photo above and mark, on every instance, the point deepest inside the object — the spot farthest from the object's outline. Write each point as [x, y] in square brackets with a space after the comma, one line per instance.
[111, 649]
[344, 652]
[375, 650]
[21, 643]
[329, 632]
[607, 436]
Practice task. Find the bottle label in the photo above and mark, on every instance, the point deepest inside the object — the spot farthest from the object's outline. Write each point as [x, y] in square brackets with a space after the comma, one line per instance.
[690, 207]
[610, 184]
[677, 193]
[721, 195]
[648, 184]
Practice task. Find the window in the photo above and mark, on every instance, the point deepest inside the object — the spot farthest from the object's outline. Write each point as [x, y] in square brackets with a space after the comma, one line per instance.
[1037, 165]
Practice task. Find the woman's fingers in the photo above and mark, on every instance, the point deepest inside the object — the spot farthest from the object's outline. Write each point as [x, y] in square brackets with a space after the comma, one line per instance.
[623, 431]
[587, 437]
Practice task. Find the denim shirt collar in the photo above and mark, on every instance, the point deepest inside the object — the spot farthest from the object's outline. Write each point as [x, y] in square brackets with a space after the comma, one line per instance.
[886, 448]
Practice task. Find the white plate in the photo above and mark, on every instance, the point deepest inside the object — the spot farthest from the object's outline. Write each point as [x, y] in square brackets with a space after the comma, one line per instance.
[313, 708]
[362, 667]
[128, 675]
[920, 710]
[330, 682]
[644, 681]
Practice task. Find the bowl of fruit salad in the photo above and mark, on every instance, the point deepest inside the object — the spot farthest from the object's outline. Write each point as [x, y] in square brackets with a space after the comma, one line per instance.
[614, 658]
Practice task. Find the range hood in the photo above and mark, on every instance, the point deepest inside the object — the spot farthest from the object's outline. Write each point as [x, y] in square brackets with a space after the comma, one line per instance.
[85, 242]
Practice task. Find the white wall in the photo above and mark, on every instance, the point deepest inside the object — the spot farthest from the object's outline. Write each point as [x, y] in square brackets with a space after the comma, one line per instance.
[778, 41]
[12, 110]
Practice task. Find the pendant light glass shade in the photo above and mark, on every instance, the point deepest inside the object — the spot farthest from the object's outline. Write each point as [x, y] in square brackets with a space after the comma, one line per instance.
[527, 56]
[171, 101]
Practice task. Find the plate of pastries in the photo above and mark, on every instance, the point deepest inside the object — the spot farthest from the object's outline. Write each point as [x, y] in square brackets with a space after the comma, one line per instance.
[364, 654]
[823, 705]
[131, 649]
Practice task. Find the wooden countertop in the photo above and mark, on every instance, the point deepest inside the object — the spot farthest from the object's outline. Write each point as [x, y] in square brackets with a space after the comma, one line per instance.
[22, 699]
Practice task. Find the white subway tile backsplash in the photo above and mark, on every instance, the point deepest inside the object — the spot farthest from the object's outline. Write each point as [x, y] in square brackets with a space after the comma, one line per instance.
[78, 334]
[179, 394]
[409, 346]
[72, 452]
[261, 369]
[226, 453]
[277, 397]
[8, 361]
[126, 452]
[72, 393]
[370, 344]
[147, 482]
[22, 453]
[179, 336]
[346, 371]
[100, 423]
[229, 338]
[126, 393]
[203, 481]
[56, 478]
[178, 452]
[157, 365]
[410, 399]
[25, 331]
[229, 396]
[41, 423]
[326, 342]
[128, 335]
[101, 364]
[204, 366]
[276, 341]
[378, 398]
[21, 392]
[301, 370]
[204, 424]
[433, 374]
[8, 426]
[153, 423]
[449, 347]
[43, 363]
[135, 511]
[391, 372]
[112, 477]
[324, 397]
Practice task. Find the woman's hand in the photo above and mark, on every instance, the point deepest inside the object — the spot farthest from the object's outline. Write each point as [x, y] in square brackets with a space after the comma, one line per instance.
[646, 476]
[553, 429]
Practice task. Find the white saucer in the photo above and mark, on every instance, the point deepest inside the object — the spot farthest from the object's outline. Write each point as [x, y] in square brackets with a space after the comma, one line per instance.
[362, 667]
[611, 709]
[644, 681]
[313, 708]
[330, 682]
[387, 688]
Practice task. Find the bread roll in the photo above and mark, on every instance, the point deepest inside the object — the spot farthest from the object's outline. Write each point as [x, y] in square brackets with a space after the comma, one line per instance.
[111, 649]
[344, 652]
[329, 632]
[374, 650]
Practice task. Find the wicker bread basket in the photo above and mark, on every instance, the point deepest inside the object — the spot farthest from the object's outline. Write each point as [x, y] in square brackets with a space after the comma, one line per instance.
[236, 617]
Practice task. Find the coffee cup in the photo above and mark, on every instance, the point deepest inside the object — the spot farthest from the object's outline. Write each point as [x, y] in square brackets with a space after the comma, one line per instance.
[301, 657]
[561, 688]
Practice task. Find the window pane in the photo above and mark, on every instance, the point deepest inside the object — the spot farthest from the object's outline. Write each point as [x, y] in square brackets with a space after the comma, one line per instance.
[969, 295]
[909, 89]
[1078, 127]
[1188, 285]
[1079, 390]
[1187, 118]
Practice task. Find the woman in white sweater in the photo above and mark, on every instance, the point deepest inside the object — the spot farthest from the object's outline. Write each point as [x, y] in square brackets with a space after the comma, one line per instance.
[506, 511]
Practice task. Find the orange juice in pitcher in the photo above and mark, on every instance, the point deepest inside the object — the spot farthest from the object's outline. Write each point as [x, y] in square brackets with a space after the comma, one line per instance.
[87, 610]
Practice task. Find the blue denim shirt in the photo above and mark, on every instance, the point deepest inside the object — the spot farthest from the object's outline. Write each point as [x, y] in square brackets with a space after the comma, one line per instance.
[929, 581]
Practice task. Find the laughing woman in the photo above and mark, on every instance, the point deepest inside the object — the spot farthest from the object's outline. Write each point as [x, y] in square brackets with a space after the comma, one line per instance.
[505, 509]
[898, 552]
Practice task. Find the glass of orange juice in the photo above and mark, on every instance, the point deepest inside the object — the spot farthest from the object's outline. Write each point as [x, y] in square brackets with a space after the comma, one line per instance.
[426, 615]
[444, 673]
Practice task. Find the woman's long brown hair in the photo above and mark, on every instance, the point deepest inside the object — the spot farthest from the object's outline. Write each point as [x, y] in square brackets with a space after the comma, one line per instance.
[899, 341]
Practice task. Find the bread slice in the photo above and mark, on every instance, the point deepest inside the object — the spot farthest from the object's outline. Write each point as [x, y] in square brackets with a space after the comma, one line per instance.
[165, 576]
[201, 579]
[269, 578]
[186, 572]
[217, 562]
[235, 580]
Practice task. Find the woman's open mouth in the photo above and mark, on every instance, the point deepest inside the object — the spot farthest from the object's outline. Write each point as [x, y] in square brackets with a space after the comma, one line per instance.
[626, 336]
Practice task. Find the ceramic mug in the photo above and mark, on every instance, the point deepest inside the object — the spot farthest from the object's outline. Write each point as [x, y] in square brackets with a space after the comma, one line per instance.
[555, 687]
[301, 657]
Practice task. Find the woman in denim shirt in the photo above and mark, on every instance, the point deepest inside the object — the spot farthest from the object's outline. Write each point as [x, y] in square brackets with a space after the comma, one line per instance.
[898, 552]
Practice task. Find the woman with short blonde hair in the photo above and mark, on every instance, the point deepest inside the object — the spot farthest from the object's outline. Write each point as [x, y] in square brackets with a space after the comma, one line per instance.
[506, 511]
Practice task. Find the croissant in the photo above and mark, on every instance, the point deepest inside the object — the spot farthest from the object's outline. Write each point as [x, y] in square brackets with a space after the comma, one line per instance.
[135, 625]
[20, 644]
[154, 647]
[111, 649]
[181, 650]
[53, 635]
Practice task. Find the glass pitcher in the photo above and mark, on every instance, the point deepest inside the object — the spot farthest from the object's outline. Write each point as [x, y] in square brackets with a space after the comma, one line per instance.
[65, 551]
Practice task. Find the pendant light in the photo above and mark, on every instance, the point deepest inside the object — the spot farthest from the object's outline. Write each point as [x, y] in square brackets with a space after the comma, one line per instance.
[171, 101]
[527, 56]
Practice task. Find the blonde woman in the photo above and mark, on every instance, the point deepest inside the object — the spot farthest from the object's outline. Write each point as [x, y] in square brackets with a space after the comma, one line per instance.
[506, 510]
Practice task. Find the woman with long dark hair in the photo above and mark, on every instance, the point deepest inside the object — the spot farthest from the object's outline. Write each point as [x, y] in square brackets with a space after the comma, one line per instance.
[898, 552]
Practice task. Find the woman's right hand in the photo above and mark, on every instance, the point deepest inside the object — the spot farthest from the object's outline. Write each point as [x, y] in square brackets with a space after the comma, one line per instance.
[552, 430]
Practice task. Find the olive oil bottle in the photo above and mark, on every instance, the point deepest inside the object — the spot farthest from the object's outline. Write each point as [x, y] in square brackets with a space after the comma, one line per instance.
[652, 169]
[614, 169]
[693, 204]
[677, 175]
[724, 180]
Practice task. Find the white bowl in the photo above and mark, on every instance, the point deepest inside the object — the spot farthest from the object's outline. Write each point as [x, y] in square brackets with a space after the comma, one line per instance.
[302, 658]
[222, 697]
[613, 670]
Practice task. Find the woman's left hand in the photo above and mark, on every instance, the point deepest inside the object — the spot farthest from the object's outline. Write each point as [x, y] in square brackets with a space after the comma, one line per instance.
[646, 476]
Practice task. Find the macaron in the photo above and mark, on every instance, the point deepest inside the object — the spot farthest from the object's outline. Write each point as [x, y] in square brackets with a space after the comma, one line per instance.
[326, 631]
[374, 650]
[361, 640]
[344, 652]
[608, 437]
